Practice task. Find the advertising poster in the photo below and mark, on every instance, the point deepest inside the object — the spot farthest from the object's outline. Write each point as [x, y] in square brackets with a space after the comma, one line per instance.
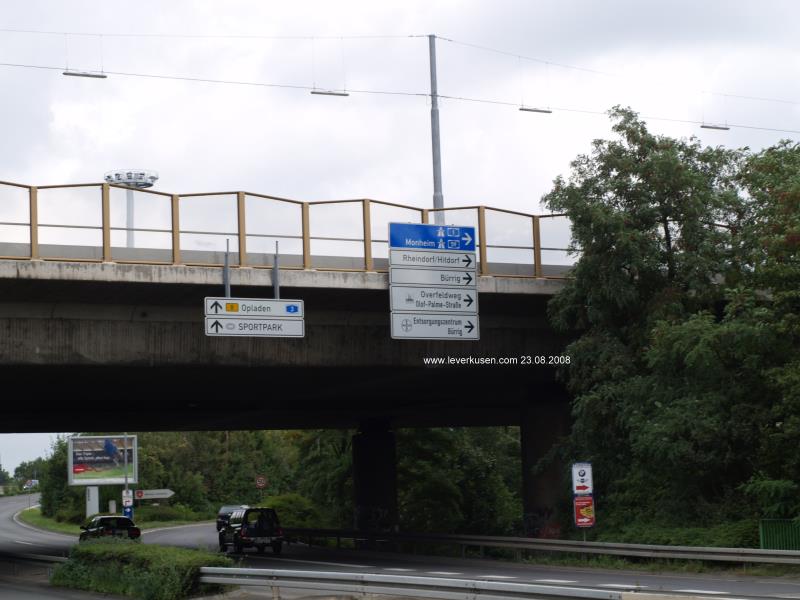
[100, 460]
[584, 511]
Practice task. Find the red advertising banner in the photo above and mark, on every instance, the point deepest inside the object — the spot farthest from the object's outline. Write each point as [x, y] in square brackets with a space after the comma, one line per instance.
[584, 511]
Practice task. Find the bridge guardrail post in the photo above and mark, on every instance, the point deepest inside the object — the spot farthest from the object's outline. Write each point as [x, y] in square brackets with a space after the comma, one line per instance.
[33, 195]
[240, 213]
[368, 263]
[306, 237]
[537, 247]
[482, 241]
[106, 210]
[176, 229]
[425, 216]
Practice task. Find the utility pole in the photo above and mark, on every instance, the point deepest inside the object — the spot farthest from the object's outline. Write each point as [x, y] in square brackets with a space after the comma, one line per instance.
[438, 198]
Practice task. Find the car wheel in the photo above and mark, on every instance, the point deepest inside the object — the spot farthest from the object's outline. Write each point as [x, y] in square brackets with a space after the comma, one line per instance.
[83, 537]
[222, 546]
[277, 547]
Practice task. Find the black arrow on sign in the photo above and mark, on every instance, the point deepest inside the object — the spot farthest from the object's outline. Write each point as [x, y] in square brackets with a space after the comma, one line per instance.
[468, 278]
[467, 259]
[216, 324]
[469, 300]
[216, 306]
[469, 327]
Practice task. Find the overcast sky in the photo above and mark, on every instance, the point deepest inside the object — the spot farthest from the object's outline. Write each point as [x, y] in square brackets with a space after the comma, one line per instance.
[680, 60]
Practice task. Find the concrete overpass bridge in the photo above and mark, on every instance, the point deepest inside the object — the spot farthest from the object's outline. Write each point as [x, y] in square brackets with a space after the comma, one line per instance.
[117, 332]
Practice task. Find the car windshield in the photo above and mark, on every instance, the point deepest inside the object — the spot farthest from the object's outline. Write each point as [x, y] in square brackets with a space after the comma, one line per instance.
[261, 518]
[117, 523]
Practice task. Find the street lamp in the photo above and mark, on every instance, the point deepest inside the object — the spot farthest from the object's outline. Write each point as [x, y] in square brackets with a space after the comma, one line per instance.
[85, 74]
[329, 93]
[133, 179]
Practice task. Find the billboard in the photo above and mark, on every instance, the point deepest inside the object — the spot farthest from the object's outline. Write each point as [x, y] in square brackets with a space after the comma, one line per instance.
[100, 460]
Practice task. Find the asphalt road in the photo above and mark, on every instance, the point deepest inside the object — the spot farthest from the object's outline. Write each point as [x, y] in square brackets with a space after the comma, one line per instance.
[15, 537]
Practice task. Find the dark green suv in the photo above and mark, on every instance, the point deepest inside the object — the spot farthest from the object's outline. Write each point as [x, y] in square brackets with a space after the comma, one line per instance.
[252, 528]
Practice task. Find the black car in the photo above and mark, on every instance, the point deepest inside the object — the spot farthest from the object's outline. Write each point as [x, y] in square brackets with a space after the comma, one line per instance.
[225, 512]
[110, 526]
[252, 528]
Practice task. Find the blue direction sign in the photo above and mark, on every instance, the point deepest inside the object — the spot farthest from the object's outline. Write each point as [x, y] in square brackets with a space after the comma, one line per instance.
[421, 236]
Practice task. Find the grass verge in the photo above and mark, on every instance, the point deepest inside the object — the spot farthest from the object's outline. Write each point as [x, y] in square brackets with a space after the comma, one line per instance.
[128, 568]
[34, 517]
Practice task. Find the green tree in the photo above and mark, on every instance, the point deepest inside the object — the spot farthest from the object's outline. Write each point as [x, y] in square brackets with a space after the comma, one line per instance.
[30, 469]
[660, 227]
[459, 480]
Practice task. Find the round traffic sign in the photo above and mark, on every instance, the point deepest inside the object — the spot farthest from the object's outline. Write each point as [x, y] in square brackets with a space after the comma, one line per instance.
[140, 493]
[261, 481]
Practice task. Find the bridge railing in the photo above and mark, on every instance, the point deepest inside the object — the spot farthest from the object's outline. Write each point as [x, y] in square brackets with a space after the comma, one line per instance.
[87, 222]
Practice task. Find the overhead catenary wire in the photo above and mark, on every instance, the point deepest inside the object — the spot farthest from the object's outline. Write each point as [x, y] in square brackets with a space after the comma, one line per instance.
[221, 36]
[369, 37]
[388, 93]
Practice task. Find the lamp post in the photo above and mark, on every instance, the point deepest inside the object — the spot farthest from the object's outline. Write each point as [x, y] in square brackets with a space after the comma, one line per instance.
[133, 179]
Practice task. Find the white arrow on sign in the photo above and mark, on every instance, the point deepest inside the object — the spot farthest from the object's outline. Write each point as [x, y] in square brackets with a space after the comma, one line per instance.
[153, 494]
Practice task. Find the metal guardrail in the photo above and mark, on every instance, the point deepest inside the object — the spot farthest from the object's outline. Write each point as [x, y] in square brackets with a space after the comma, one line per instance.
[396, 585]
[38, 212]
[736, 555]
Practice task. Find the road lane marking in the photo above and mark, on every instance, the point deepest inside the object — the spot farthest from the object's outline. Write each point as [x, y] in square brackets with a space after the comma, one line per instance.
[625, 586]
[399, 570]
[443, 573]
[555, 581]
[21, 542]
[310, 562]
[701, 592]
[497, 576]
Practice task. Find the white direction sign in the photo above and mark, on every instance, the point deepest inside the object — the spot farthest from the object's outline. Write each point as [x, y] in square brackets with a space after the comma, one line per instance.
[432, 259]
[433, 277]
[582, 479]
[434, 299]
[433, 326]
[254, 327]
[153, 494]
[254, 307]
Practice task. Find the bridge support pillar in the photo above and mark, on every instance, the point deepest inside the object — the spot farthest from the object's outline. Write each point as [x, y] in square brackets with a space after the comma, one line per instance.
[375, 477]
[542, 424]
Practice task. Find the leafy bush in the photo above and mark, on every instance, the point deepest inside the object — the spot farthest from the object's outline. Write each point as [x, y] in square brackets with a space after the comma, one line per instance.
[294, 510]
[114, 566]
[71, 514]
[177, 512]
[734, 534]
